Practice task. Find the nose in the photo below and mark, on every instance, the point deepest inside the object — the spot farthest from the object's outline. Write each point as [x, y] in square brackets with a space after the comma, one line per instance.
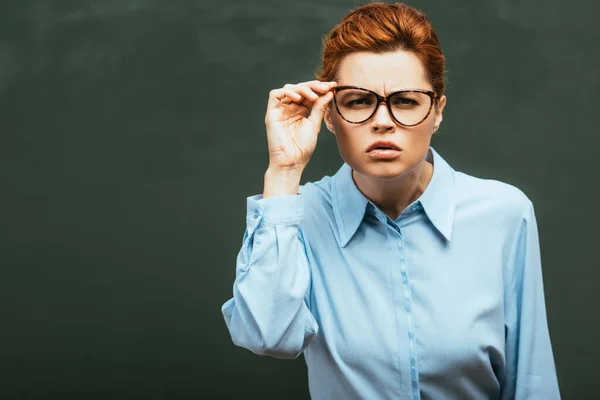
[382, 120]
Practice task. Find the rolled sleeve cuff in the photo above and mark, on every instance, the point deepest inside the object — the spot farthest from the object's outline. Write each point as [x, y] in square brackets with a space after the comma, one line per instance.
[274, 210]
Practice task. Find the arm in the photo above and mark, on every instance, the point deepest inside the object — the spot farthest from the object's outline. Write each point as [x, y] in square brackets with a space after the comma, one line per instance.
[530, 371]
[268, 313]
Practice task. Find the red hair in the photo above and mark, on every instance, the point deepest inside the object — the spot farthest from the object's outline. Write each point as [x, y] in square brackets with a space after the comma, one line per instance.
[381, 28]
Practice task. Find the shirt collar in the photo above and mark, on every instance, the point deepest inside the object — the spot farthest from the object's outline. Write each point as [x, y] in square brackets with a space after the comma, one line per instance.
[437, 200]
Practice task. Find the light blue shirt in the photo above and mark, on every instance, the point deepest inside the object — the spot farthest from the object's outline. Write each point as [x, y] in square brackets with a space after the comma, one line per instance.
[446, 302]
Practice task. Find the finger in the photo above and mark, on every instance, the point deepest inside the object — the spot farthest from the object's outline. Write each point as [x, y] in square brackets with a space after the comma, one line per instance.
[291, 96]
[307, 89]
[319, 86]
[318, 110]
[308, 94]
[277, 96]
[316, 82]
[300, 94]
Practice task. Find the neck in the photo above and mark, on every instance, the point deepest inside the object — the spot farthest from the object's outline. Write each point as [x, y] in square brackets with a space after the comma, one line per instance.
[393, 196]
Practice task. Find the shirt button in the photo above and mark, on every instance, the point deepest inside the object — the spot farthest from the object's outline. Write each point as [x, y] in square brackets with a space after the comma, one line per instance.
[256, 214]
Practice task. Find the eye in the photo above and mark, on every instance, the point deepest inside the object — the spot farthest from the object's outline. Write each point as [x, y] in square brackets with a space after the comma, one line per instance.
[404, 101]
[361, 101]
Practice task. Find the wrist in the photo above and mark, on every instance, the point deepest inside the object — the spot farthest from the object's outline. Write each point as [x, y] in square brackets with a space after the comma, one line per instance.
[284, 172]
[282, 182]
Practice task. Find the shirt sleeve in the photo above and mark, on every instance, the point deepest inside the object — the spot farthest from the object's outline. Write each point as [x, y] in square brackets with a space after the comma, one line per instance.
[268, 313]
[530, 372]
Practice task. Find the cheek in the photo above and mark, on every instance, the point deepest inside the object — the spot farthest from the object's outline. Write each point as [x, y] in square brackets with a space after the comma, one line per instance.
[419, 134]
[416, 143]
[350, 140]
[336, 120]
[419, 137]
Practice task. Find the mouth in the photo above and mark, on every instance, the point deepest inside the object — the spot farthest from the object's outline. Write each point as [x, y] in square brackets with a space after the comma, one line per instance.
[383, 153]
[382, 145]
[382, 148]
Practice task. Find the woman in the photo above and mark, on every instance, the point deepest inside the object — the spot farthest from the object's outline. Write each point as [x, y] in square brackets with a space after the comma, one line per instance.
[398, 277]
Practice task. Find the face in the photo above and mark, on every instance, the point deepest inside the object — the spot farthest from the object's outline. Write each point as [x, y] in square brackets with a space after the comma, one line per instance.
[383, 73]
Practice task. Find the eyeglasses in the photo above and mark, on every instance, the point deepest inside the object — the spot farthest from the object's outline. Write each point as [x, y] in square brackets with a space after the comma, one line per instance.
[408, 107]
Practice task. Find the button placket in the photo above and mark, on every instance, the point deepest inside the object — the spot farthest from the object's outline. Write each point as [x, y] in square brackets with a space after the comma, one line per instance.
[409, 314]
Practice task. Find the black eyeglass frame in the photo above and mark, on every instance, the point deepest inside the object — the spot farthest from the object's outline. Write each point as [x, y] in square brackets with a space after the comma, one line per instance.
[385, 99]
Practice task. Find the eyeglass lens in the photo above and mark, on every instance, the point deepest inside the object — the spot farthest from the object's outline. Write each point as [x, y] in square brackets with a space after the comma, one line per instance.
[357, 105]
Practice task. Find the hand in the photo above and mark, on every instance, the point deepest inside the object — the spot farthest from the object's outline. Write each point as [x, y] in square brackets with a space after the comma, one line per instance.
[292, 133]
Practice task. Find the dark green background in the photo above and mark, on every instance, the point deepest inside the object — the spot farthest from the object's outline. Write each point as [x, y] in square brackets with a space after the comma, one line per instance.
[132, 131]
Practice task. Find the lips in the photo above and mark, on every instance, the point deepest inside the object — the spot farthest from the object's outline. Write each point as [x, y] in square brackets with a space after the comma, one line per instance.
[383, 145]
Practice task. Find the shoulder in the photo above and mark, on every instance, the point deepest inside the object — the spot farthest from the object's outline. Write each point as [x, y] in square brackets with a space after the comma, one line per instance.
[490, 195]
[317, 192]
[319, 204]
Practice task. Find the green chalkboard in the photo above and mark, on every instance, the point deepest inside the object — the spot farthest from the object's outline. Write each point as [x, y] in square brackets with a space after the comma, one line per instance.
[132, 131]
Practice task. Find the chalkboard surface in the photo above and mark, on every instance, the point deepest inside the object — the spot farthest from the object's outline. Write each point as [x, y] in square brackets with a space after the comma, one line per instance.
[132, 131]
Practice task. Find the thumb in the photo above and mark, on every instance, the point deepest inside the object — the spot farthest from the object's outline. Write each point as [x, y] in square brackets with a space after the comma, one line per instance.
[318, 110]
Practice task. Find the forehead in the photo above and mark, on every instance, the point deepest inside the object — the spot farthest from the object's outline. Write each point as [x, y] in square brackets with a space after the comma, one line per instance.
[383, 72]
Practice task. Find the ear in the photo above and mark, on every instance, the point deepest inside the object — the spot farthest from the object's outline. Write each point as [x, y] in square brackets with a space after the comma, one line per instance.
[438, 113]
[327, 118]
